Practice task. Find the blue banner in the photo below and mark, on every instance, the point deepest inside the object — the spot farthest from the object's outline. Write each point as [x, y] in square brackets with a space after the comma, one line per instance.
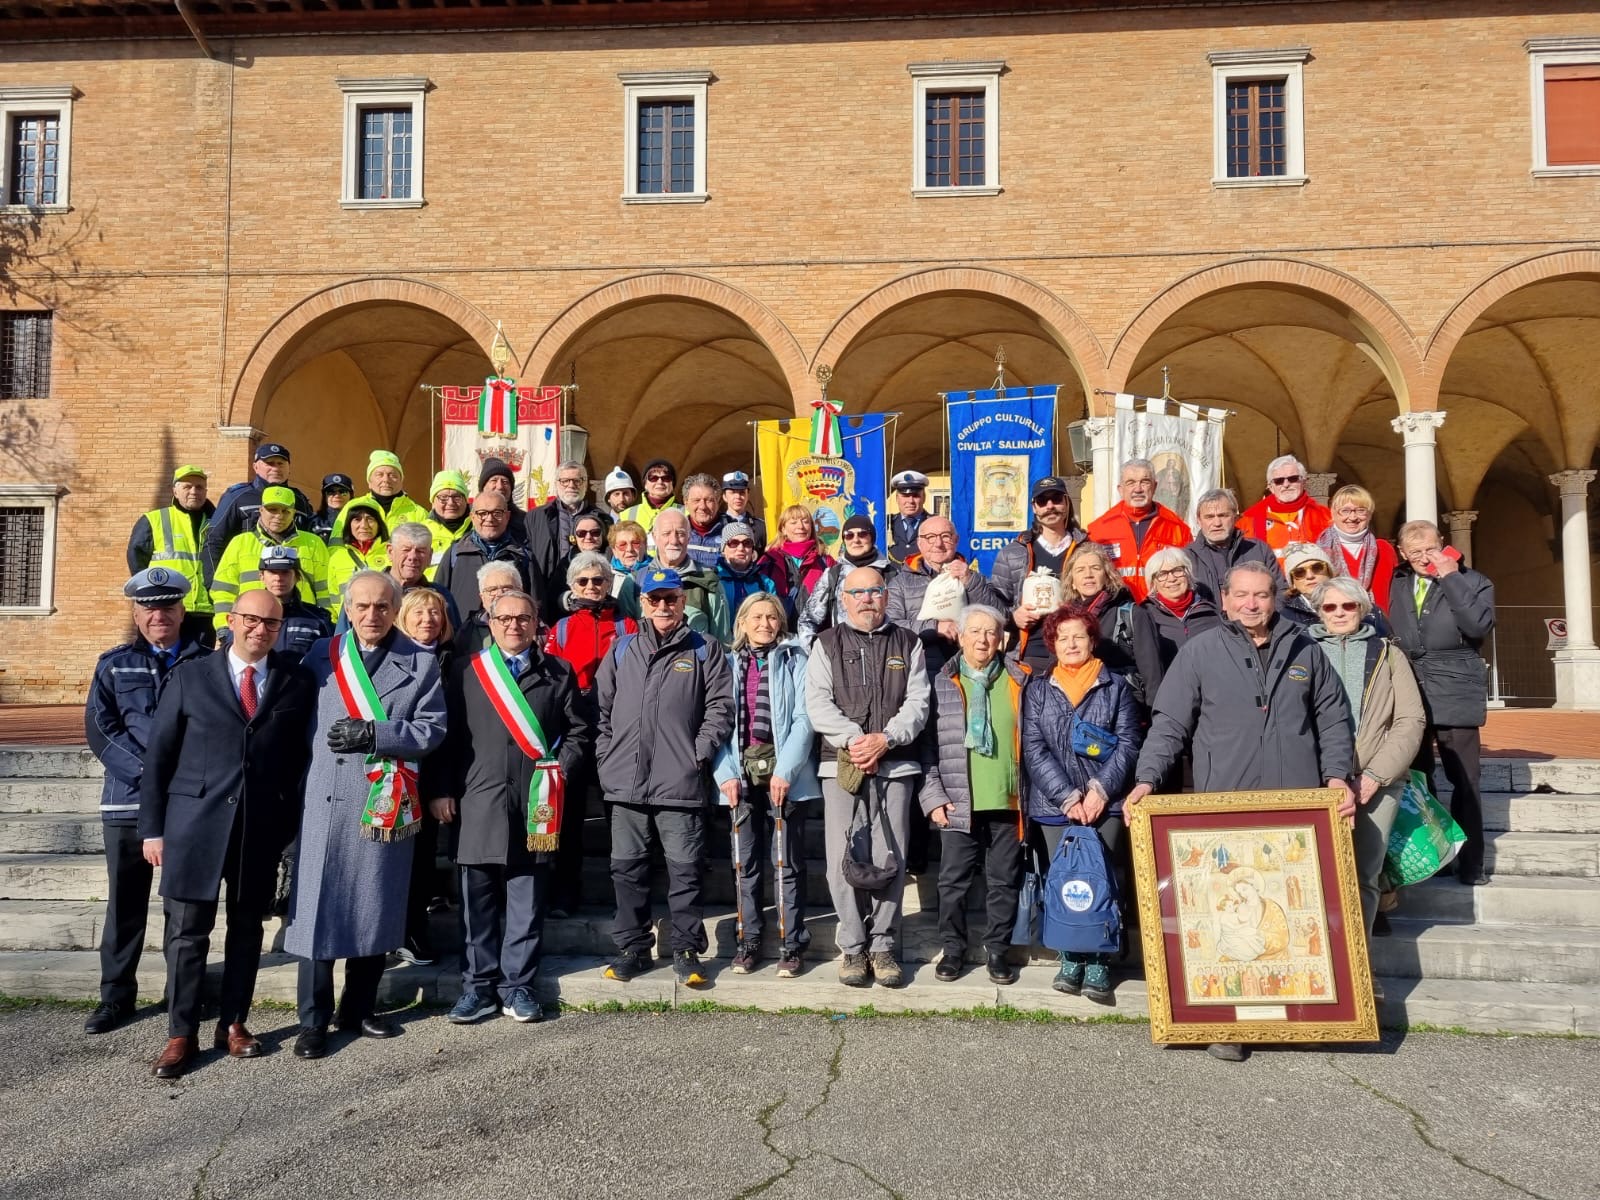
[1000, 442]
[866, 449]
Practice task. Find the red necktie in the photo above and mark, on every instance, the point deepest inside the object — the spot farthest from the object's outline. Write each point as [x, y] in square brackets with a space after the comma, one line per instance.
[247, 692]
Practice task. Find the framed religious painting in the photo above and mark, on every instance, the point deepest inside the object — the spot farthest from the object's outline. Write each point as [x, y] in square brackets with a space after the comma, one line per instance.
[1251, 919]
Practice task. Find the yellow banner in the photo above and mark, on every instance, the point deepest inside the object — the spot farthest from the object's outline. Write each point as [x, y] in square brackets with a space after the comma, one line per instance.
[779, 444]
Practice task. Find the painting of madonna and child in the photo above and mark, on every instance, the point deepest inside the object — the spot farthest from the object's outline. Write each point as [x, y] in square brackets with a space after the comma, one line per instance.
[1251, 917]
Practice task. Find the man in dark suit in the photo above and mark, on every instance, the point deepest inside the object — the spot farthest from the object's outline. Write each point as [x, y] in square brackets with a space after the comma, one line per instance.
[509, 698]
[219, 800]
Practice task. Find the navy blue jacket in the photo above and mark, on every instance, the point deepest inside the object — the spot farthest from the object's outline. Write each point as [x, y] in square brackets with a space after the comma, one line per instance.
[116, 720]
[1054, 772]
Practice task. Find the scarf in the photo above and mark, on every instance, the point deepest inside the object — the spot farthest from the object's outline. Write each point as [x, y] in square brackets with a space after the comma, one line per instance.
[393, 810]
[977, 685]
[1276, 507]
[1076, 681]
[1100, 603]
[757, 695]
[1366, 553]
[1348, 654]
[798, 552]
[1177, 607]
[362, 548]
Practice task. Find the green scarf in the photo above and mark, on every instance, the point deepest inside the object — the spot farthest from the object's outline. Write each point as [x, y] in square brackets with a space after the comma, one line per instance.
[976, 685]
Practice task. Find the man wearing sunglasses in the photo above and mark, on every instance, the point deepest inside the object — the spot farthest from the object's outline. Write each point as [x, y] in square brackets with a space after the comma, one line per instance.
[665, 701]
[660, 481]
[1048, 544]
[1287, 513]
[910, 490]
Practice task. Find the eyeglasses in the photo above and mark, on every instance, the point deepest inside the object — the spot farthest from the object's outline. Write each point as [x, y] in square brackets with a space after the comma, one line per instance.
[1171, 573]
[936, 537]
[586, 533]
[663, 599]
[571, 479]
[657, 477]
[1308, 569]
[1341, 606]
[858, 593]
[514, 619]
[589, 581]
[1050, 498]
[270, 624]
[739, 542]
[1281, 480]
[857, 535]
[491, 514]
[1351, 510]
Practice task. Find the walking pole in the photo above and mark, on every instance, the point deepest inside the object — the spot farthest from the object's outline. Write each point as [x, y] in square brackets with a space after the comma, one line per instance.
[777, 826]
[738, 877]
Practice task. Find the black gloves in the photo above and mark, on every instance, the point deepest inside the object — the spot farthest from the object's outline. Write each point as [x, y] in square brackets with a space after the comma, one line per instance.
[348, 735]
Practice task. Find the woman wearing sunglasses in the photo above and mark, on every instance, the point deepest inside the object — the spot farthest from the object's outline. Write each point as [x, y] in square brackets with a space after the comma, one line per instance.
[1386, 715]
[1307, 567]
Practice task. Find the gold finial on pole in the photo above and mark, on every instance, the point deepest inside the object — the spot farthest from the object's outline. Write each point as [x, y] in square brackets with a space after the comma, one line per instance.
[499, 351]
[999, 368]
[824, 374]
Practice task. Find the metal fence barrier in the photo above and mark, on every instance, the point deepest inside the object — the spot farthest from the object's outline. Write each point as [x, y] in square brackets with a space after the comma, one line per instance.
[1522, 671]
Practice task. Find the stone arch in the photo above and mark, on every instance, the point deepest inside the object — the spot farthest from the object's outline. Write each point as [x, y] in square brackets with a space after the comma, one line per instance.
[670, 285]
[1082, 346]
[1390, 340]
[264, 366]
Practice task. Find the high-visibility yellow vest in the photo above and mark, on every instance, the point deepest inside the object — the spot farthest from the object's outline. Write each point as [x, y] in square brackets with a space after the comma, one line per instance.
[401, 510]
[443, 539]
[240, 570]
[344, 561]
[174, 545]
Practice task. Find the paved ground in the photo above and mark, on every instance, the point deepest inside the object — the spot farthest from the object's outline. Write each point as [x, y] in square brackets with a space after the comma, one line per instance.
[701, 1105]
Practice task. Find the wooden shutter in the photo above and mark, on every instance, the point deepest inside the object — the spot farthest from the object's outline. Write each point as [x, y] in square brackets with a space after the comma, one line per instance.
[1572, 114]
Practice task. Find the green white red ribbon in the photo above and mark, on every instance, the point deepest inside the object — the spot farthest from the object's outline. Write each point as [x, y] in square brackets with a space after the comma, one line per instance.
[497, 408]
[548, 787]
[393, 809]
[825, 439]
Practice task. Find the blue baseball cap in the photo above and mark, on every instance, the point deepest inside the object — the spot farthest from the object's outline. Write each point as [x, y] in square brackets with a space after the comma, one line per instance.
[662, 579]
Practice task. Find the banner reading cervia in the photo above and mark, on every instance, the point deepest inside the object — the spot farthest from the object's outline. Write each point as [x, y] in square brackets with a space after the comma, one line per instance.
[1000, 441]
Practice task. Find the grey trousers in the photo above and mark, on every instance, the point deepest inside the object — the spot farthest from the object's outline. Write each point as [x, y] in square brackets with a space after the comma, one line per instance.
[867, 921]
[1371, 837]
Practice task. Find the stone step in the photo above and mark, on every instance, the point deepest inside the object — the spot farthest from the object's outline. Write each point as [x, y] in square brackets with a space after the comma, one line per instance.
[30, 794]
[1550, 901]
[48, 762]
[51, 833]
[1498, 953]
[1536, 812]
[1479, 1007]
[1551, 854]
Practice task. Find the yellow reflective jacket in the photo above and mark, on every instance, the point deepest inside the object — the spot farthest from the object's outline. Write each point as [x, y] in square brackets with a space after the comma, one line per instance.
[240, 569]
[175, 545]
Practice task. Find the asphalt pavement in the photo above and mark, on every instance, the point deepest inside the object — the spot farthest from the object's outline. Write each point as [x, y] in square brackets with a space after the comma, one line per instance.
[708, 1105]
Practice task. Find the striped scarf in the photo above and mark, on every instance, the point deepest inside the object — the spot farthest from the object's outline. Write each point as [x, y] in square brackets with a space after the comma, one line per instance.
[757, 697]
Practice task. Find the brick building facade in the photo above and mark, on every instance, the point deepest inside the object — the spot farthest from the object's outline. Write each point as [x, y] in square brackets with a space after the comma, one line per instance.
[214, 273]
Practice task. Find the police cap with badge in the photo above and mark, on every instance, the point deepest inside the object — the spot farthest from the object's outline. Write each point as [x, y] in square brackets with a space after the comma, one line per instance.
[280, 558]
[909, 481]
[157, 587]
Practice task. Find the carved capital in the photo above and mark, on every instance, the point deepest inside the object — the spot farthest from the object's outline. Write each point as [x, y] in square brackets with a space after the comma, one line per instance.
[1573, 483]
[1417, 428]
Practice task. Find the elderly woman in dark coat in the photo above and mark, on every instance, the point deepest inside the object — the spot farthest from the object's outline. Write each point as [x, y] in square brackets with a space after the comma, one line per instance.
[1064, 788]
[1441, 612]
[353, 870]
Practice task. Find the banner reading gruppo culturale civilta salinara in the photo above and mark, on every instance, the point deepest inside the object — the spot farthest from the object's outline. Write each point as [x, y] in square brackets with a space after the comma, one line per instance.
[1000, 441]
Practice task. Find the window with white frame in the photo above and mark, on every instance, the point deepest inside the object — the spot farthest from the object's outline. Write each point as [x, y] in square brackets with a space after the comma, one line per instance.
[1258, 106]
[28, 547]
[1566, 105]
[37, 124]
[664, 136]
[383, 141]
[955, 112]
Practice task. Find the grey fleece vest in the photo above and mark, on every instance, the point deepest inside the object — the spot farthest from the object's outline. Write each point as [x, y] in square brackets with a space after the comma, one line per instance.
[869, 671]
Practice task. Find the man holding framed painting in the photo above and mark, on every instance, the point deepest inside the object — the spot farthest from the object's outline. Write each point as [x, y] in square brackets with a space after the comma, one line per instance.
[1247, 889]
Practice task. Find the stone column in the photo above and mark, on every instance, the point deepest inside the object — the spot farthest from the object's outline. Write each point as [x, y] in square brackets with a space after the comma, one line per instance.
[1320, 485]
[1578, 665]
[1075, 493]
[1422, 487]
[1460, 523]
[1101, 430]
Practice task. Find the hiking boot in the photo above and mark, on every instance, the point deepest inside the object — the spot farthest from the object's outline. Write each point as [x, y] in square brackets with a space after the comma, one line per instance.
[948, 969]
[1380, 925]
[417, 951]
[521, 1006]
[686, 967]
[1000, 969]
[789, 964]
[1097, 983]
[1228, 1051]
[854, 971]
[1069, 978]
[473, 1006]
[886, 970]
[628, 965]
[747, 956]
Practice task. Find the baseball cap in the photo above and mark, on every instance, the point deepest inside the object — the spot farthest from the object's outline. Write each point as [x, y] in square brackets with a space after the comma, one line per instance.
[338, 480]
[188, 471]
[280, 497]
[1050, 483]
[272, 450]
[156, 587]
[662, 579]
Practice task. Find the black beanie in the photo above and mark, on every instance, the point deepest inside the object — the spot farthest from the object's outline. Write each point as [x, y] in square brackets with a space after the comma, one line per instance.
[493, 467]
[660, 462]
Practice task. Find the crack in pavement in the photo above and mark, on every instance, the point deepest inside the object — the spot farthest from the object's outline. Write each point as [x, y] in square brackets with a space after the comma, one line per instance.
[790, 1161]
[222, 1143]
[864, 1173]
[834, 1066]
[1423, 1130]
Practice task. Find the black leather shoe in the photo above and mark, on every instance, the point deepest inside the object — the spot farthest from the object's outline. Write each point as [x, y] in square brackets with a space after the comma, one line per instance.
[312, 1042]
[372, 1027]
[1472, 876]
[948, 969]
[107, 1017]
[1001, 971]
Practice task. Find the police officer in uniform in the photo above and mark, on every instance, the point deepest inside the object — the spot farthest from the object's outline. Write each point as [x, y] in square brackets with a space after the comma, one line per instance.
[337, 488]
[910, 497]
[171, 537]
[236, 511]
[736, 499]
[117, 721]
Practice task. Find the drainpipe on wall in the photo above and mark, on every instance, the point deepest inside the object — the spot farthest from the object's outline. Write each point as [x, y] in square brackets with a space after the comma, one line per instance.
[193, 23]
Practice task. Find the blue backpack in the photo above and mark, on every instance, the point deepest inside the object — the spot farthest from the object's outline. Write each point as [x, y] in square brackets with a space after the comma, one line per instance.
[1080, 896]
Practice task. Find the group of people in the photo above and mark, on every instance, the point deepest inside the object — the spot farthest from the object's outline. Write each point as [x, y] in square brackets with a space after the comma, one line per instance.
[389, 678]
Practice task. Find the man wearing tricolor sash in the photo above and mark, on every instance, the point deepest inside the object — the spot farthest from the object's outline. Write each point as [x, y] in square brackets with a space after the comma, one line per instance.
[380, 709]
[519, 728]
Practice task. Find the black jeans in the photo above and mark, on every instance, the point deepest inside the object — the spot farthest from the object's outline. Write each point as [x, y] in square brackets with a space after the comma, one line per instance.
[682, 833]
[994, 840]
[314, 990]
[1459, 750]
[128, 879]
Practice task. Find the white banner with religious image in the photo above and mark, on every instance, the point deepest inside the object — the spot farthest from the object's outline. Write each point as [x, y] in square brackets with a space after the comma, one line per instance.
[532, 449]
[1184, 441]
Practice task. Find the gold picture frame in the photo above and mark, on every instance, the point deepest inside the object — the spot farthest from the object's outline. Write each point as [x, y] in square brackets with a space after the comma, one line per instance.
[1250, 917]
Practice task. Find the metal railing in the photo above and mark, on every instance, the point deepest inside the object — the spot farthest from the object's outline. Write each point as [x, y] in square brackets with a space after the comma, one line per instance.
[1522, 671]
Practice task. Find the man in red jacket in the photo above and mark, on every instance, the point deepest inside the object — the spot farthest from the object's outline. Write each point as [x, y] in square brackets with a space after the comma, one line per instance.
[1287, 513]
[1136, 527]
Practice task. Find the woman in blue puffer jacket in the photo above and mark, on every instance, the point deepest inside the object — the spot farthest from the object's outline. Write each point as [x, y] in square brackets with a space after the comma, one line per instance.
[1065, 788]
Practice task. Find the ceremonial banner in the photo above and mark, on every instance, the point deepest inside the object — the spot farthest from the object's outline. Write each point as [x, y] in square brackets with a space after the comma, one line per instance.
[834, 489]
[1184, 441]
[527, 439]
[1000, 442]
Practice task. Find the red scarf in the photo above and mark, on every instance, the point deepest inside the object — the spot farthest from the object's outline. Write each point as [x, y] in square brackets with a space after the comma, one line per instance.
[1274, 505]
[1177, 607]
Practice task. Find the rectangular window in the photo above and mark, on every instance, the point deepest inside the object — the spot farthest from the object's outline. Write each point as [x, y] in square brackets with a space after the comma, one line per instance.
[22, 529]
[1572, 114]
[666, 147]
[35, 159]
[1257, 136]
[385, 153]
[955, 153]
[24, 355]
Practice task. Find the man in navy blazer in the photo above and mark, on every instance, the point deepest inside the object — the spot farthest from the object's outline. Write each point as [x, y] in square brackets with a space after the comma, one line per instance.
[219, 800]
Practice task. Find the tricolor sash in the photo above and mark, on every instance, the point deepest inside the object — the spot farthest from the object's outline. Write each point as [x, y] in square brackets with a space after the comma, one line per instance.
[393, 810]
[547, 789]
[825, 440]
[497, 408]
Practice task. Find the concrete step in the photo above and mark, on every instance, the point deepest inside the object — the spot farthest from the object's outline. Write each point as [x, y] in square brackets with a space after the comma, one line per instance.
[1553, 854]
[1480, 1007]
[28, 794]
[51, 833]
[1498, 953]
[1535, 812]
[48, 762]
[1550, 901]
